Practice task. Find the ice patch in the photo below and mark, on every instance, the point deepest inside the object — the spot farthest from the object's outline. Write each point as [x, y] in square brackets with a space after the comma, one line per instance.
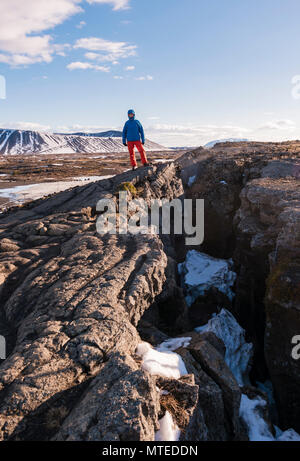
[289, 436]
[173, 344]
[200, 272]
[258, 430]
[168, 431]
[92, 178]
[37, 191]
[191, 181]
[238, 351]
[164, 160]
[166, 364]
[267, 388]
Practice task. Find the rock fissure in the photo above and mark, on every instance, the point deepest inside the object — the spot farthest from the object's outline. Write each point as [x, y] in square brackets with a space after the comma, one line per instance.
[76, 338]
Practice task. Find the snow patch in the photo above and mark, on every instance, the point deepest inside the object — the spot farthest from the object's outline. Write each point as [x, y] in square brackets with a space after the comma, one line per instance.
[173, 344]
[18, 142]
[289, 436]
[168, 364]
[200, 272]
[36, 191]
[238, 351]
[168, 431]
[258, 430]
[191, 181]
[164, 160]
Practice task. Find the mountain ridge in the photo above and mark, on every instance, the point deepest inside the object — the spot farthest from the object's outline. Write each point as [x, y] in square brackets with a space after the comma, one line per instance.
[26, 142]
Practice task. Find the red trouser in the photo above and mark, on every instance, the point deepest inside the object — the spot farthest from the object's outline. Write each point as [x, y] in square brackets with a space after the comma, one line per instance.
[140, 148]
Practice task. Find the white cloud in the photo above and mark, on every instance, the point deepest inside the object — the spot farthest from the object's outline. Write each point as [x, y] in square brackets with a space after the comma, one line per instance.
[130, 68]
[81, 25]
[109, 51]
[23, 23]
[101, 57]
[118, 77]
[147, 77]
[193, 135]
[279, 125]
[87, 65]
[117, 4]
[25, 126]
[20, 20]
[85, 128]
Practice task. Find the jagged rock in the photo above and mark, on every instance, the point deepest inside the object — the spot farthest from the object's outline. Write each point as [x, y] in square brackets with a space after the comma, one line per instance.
[252, 198]
[7, 245]
[209, 419]
[274, 240]
[219, 394]
[121, 404]
[72, 301]
[214, 366]
[150, 334]
[238, 353]
[75, 305]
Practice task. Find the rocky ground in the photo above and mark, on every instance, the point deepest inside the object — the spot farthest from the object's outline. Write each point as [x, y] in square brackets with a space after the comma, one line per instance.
[87, 317]
[24, 170]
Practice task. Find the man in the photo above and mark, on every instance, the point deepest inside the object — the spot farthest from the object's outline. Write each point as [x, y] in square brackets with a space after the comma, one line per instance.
[133, 136]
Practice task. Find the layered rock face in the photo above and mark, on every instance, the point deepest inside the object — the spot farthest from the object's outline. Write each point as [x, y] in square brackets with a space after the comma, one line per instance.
[252, 198]
[71, 300]
[269, 224]
[75, 305]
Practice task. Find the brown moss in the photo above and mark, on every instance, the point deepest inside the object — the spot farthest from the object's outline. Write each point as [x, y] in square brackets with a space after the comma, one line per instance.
[170, 404]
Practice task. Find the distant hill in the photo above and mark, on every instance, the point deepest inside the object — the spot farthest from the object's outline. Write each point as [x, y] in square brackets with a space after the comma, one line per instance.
[19, 142]
[211, 144]
[102, 134]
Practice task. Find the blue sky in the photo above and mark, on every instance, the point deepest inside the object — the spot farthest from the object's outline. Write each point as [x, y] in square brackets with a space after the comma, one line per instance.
[194, 70]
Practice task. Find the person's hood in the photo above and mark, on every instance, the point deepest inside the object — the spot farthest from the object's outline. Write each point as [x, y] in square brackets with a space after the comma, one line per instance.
[131, 111]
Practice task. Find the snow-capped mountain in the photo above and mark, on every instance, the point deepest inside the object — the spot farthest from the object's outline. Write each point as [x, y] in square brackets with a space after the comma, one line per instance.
[18, 142]
[211, 144]
[103, 134]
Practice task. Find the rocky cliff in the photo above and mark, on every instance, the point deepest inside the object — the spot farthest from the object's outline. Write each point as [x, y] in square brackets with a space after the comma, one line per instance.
[252, 197]
[88, 318]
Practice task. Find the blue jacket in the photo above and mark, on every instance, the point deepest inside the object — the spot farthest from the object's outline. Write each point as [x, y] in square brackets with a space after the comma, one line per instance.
[133, 131]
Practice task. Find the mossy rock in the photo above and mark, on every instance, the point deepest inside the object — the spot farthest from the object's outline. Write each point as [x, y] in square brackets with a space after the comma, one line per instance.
[127, 187]
[282, 283]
